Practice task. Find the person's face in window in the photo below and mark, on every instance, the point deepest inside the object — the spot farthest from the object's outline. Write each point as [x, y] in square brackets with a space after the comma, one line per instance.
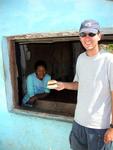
[40, 72]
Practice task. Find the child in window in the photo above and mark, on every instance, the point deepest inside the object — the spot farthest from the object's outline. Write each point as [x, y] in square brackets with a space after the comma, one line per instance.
[37, 84]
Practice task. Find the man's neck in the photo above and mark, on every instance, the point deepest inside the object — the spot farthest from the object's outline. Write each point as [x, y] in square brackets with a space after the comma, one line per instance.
[92, 52]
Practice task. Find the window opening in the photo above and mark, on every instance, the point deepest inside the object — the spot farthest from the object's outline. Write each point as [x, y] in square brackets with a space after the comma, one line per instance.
[60, 55]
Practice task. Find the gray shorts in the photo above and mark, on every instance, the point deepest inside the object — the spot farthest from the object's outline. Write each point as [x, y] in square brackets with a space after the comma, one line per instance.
[82, 138]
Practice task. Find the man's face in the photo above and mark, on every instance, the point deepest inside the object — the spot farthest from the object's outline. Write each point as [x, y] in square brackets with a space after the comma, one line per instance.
[90, 40]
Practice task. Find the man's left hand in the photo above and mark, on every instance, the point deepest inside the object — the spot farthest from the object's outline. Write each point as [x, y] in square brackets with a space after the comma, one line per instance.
[108, 136]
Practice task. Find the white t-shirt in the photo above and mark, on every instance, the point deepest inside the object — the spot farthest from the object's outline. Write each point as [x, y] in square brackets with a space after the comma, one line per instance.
[95, 77]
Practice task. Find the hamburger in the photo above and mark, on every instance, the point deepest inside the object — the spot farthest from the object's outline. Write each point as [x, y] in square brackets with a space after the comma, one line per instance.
[52, 84]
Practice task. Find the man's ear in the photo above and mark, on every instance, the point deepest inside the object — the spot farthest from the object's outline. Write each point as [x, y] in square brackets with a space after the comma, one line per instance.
[99, 36]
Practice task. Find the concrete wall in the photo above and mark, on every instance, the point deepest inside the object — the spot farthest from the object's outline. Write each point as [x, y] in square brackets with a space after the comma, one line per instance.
[20, 132]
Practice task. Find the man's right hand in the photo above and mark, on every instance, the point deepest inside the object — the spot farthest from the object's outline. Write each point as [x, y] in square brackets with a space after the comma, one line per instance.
[60, 86]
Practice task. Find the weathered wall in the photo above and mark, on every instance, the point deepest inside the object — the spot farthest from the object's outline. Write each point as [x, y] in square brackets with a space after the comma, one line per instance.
[19, 132]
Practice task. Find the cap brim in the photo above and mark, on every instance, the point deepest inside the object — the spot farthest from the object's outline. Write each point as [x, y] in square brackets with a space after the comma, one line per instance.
[87, 30]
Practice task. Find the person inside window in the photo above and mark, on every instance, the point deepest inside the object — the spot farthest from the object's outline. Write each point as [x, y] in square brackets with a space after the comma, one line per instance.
[37, 84]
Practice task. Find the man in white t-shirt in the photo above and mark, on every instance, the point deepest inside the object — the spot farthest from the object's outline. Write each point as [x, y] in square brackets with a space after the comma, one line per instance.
[93, 122]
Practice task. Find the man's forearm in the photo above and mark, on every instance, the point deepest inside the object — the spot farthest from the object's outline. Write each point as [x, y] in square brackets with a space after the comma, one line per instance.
[71, 85]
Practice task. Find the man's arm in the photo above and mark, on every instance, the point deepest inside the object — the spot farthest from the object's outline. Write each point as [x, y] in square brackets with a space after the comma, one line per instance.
[67, 85]
[108, 137]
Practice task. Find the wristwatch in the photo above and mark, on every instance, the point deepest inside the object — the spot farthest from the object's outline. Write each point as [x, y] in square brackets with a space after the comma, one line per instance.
[111, 125]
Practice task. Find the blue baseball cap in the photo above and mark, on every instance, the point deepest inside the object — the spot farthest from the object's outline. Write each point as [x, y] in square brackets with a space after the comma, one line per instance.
[89, 26]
